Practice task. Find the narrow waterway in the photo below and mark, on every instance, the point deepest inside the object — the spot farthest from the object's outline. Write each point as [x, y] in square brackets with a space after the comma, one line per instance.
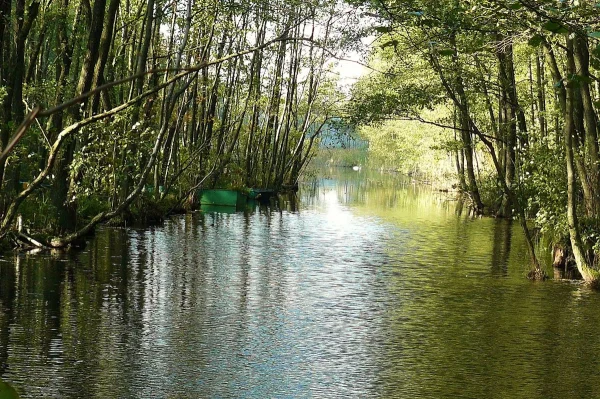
[366, 286]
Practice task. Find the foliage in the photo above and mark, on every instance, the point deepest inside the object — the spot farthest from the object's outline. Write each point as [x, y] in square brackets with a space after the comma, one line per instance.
[410, 146]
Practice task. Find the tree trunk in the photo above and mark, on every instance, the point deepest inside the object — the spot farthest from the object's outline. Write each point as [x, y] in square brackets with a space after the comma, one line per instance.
[590, 118]
[583, 265]
[104, 49]
[541, 95]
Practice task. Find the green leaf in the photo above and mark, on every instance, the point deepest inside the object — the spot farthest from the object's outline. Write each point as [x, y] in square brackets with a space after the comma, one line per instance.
[515, 6]
[555, 27]
[595, 57]
[594, 34]
[390, 43]
[383, 29]
[577, 79]
[535, 41]
[446, 52]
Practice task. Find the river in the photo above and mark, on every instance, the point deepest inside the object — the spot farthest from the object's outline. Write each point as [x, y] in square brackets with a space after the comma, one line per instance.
[366, 286]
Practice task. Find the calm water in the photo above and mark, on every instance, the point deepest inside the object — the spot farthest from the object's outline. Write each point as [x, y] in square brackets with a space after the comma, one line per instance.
[365, 287]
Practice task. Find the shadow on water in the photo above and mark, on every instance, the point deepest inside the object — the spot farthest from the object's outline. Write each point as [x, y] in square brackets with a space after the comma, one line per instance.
[362, 285]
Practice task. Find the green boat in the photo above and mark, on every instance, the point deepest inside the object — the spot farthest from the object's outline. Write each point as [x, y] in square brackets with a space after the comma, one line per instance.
[222, 197]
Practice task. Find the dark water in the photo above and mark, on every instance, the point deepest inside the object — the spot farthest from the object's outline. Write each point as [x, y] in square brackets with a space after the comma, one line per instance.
[366, 288]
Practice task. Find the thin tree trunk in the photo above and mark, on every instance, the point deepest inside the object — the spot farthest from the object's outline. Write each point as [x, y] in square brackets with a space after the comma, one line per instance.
[541, 95]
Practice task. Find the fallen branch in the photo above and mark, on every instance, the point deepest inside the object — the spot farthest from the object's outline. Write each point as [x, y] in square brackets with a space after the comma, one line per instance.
[30, 240]
[20, 132]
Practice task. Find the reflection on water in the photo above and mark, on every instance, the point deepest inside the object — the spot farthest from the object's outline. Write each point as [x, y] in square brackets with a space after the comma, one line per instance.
[367, 286]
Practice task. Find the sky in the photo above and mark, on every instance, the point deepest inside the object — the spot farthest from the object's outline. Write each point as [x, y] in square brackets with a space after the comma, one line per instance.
[349, 72]
[351, 67]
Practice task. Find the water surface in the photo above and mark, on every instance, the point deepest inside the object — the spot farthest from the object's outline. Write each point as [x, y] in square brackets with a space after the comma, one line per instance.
[365, 286]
